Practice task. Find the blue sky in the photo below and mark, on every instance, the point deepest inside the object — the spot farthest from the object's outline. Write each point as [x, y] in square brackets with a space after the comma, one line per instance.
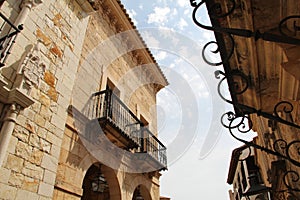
[189, 109]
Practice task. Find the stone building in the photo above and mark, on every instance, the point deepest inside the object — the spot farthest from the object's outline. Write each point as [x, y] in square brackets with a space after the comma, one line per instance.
[77, 101]
[260, 55]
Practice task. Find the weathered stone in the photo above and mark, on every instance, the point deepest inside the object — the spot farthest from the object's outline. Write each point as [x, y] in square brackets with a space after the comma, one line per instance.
[53, 139]
[46, 189]
[35, 93]
[44, 87]
[58, 121]
[21, 133]
[55, 150]
[49, 162]
[39, 120]
[49, 177]
[53, 94]
[7, 192]
[21, 194]
[56, 51]
[21, 119]
[4, 175]
[45, 146]
[42, 132]
[45, 198]
[36, 107]
[30, 184]
[37, 156]
[50, 127]
[49, 78]
[31, 127]
[45, 112]
[34, 140]
[57, 20]
[45, 100]
[14, 163]
[16, 179]
[46, 40]
[33, 171]
[23, 150]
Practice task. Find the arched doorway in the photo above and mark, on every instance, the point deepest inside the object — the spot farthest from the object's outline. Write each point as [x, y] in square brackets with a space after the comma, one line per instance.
[141, 193]
[96, 184]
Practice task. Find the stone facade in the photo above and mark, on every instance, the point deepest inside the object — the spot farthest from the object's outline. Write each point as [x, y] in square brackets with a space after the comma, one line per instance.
[67, 51]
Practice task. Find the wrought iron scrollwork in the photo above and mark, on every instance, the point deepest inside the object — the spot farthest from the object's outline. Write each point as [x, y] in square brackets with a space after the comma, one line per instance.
[215, 11]
[240, 81]
[285, 21]
[284, 195]
[229, 52]
[243, 124]
[290, 186]
[283, 106]
[241, 86]
[294, 177]
[290, 180]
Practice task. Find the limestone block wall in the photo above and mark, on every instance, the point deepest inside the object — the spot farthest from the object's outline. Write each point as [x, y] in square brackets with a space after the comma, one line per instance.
[75, 160]
[45, 158]
[106, 55]
[30, 166]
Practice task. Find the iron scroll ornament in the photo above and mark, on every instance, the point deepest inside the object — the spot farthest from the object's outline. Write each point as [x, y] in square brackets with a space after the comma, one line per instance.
[215, 11]
[243, 124]
[282, 106]
[294, 177]
[291, 180]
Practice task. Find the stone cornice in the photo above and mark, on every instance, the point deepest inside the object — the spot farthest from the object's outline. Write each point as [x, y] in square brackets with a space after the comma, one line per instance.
[86, 5]
[14, 96]
[118, 17]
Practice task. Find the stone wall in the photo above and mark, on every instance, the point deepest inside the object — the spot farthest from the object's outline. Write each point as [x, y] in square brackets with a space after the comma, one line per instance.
[105, 55]
[30, 167]
[75, 160]
[45, 158]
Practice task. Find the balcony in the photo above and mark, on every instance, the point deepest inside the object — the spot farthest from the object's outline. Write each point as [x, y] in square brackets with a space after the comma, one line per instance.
[124, 129]
[8, 34]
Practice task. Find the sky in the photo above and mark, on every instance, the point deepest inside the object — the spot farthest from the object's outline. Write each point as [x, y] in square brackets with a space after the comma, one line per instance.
[189, 108]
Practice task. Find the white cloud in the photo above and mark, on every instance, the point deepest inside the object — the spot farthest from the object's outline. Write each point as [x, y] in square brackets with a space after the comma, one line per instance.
[187, 12]
[182, 24]
[149, 39]
[141, 6]
[160, 15]
[161, 55]
[182, 3]
[174, 12]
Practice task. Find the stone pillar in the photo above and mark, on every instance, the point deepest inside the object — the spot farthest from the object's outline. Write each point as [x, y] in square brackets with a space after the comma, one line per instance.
[7, 129]
[26, 6]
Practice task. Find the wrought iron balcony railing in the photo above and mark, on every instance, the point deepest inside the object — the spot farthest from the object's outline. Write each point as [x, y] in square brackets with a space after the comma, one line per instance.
[107, 108]
[8, 34]
[152, 146]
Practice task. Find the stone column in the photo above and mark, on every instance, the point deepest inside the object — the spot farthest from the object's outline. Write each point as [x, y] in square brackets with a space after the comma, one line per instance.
[7, 129]
[26, 7]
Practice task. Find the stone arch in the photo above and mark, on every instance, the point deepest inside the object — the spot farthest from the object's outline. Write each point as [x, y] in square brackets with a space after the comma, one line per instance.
[143, 191]
[110, 176]
[145, 187]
